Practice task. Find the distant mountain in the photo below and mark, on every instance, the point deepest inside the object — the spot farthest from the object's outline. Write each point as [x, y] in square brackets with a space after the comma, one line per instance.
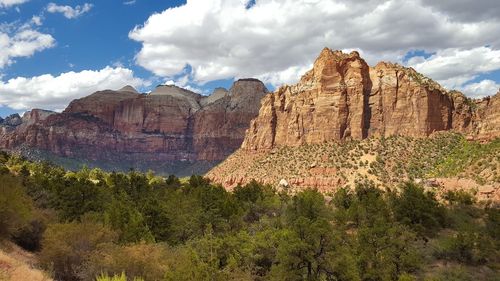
[316, 133]
[170, 130]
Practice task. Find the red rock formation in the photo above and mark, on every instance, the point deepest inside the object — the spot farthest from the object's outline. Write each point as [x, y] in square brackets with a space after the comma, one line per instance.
[102, 104]
[488, 112]
[342, 98]
[221, 124]
[170, 126]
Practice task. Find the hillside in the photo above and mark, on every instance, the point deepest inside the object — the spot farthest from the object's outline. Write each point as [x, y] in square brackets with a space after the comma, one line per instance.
[391, 160]
[346, 122]
[17, 264]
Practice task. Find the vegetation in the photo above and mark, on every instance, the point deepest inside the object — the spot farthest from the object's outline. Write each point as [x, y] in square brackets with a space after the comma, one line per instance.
[387, 161]
[94, 225]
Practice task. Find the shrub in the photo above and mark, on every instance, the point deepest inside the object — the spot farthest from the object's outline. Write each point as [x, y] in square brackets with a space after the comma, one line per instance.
[460, 197]
[29, 237]
[139, 261]
[66, 246]
[15, 206]
[466, 246]
[121, 277]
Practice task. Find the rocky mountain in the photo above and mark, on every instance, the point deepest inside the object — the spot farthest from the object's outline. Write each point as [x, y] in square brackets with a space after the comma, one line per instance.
[343, 98]
[170, 130]
[330, 128]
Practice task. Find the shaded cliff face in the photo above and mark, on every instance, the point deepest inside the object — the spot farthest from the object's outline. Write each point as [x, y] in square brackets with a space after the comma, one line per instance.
[343, 98]
[220, 126]
[168, 130]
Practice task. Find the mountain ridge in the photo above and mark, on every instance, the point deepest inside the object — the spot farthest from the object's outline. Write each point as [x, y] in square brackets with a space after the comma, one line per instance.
[342, 97]
[168, 130]
[342, 104]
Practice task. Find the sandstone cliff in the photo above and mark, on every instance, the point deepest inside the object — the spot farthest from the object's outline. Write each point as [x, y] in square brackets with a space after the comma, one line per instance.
[170, 130]
[343, 98]
[325, 131]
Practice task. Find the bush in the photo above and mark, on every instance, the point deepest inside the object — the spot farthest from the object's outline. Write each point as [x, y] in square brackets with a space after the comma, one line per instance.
[466, 246]
[15, 206]
[121, 277]
[460, 197]
[29, 237]
[66, 246]
[140, 261]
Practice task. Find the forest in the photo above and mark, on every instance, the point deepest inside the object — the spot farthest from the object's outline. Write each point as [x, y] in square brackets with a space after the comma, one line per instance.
[96, 225]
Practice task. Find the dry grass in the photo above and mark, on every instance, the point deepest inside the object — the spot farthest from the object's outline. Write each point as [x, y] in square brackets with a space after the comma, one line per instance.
[19, 265]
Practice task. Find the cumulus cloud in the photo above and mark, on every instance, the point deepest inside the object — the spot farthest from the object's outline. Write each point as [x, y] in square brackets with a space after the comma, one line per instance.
[481, 89]
[21, 42]
[68, 11]
[276, 40]
[10, 3]
[454, 68]
[55, 92]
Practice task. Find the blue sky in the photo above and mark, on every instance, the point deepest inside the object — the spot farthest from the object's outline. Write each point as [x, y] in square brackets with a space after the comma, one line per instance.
[91, 41]
[55, 51]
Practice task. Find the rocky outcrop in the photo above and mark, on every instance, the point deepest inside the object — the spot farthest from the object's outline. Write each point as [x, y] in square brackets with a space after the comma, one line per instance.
[10, 123]
[172, 129]
[221, 125]
[302, 132]
[488, 114]
[343, 98]
[11, 120]
[102, 104]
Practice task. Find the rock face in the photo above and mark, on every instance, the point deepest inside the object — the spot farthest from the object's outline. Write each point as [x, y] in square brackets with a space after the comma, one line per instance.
[11, 121]
[488, 112]
[343, 98]
[171, 129]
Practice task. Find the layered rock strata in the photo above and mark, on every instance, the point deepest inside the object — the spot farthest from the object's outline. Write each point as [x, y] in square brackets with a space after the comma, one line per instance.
[169, 127]
[343, 98]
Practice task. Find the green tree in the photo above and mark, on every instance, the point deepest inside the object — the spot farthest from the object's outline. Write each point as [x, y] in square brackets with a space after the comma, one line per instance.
[418, 209]
[310, 249]
[123, 217]
[78, 196]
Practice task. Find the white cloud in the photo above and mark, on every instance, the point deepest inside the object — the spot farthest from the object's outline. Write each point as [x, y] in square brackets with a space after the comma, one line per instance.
[466, 9]
[276, 39]
[10, 3]
[23, 42]
[68, 11]
[36, 20]
[481, 89]
[184, 82]
[455, 69]
[55, 92]
[131, 2]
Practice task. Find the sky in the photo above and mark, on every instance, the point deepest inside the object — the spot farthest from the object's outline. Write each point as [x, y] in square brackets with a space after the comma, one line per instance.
[52, 52]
